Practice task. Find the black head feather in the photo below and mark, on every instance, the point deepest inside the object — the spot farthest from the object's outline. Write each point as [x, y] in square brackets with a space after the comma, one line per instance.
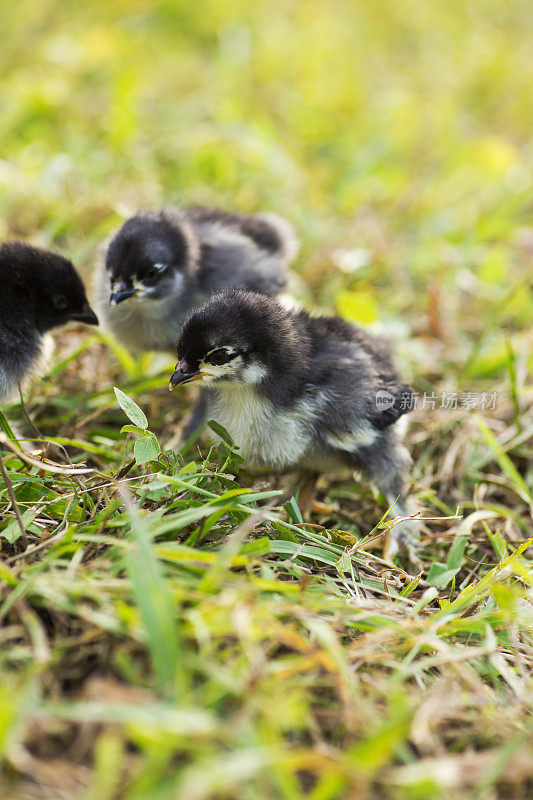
[146, 246]
[258, 328]
[40, 289]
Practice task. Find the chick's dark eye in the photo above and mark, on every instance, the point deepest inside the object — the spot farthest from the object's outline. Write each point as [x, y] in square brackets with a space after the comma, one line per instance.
[155, 271]
[60, 302]
[220, 356]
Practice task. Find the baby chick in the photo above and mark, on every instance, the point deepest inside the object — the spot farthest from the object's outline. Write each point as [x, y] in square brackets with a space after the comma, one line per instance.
[40, 290]
[296, 391]
[160, 265]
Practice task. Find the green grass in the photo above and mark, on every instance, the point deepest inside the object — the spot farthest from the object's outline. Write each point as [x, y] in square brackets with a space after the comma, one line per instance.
[170, 630]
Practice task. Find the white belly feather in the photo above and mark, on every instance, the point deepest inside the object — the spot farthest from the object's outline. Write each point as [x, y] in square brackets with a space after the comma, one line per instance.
[266, 438]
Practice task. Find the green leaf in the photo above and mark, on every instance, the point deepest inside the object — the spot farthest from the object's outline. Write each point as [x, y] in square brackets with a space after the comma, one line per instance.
[344, 564]
[131, 409]
[411, 586]
[6, 427]
[455, 558]
[189, 469]
[135, 429]
[285, 533]
[293, 511]
[146, 449]
[12, 531]
[286, 548]
[498, 543]
[222, 433]
[155, 603]
[36, 491]
[427, 598]
[440, 576]
[257, 547]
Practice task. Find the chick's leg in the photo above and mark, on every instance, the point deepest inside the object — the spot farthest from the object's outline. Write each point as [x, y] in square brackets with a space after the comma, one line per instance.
[389, 475]
[306, 493]
[307, 501]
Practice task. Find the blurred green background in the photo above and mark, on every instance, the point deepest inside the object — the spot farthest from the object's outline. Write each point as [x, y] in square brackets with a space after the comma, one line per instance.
[395, 136]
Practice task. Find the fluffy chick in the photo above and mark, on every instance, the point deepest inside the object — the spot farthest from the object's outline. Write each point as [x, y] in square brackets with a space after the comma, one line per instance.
[40, 291]
[304, 392]
[160, 265]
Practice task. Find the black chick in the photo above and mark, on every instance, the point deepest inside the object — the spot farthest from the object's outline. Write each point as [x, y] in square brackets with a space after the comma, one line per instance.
[296, 391]
[160, 265]
[40, 291]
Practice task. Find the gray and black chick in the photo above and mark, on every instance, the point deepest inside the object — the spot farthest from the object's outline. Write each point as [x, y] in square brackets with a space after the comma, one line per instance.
[160, 265]
[302, 392]
[41, 290]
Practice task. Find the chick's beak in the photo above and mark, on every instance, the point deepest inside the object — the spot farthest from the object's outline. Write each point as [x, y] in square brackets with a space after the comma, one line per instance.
[121, 291]
[182, 374]
[86, 315]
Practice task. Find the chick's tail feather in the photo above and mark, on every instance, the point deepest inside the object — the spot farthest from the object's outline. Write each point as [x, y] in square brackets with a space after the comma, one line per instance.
[286, 233]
